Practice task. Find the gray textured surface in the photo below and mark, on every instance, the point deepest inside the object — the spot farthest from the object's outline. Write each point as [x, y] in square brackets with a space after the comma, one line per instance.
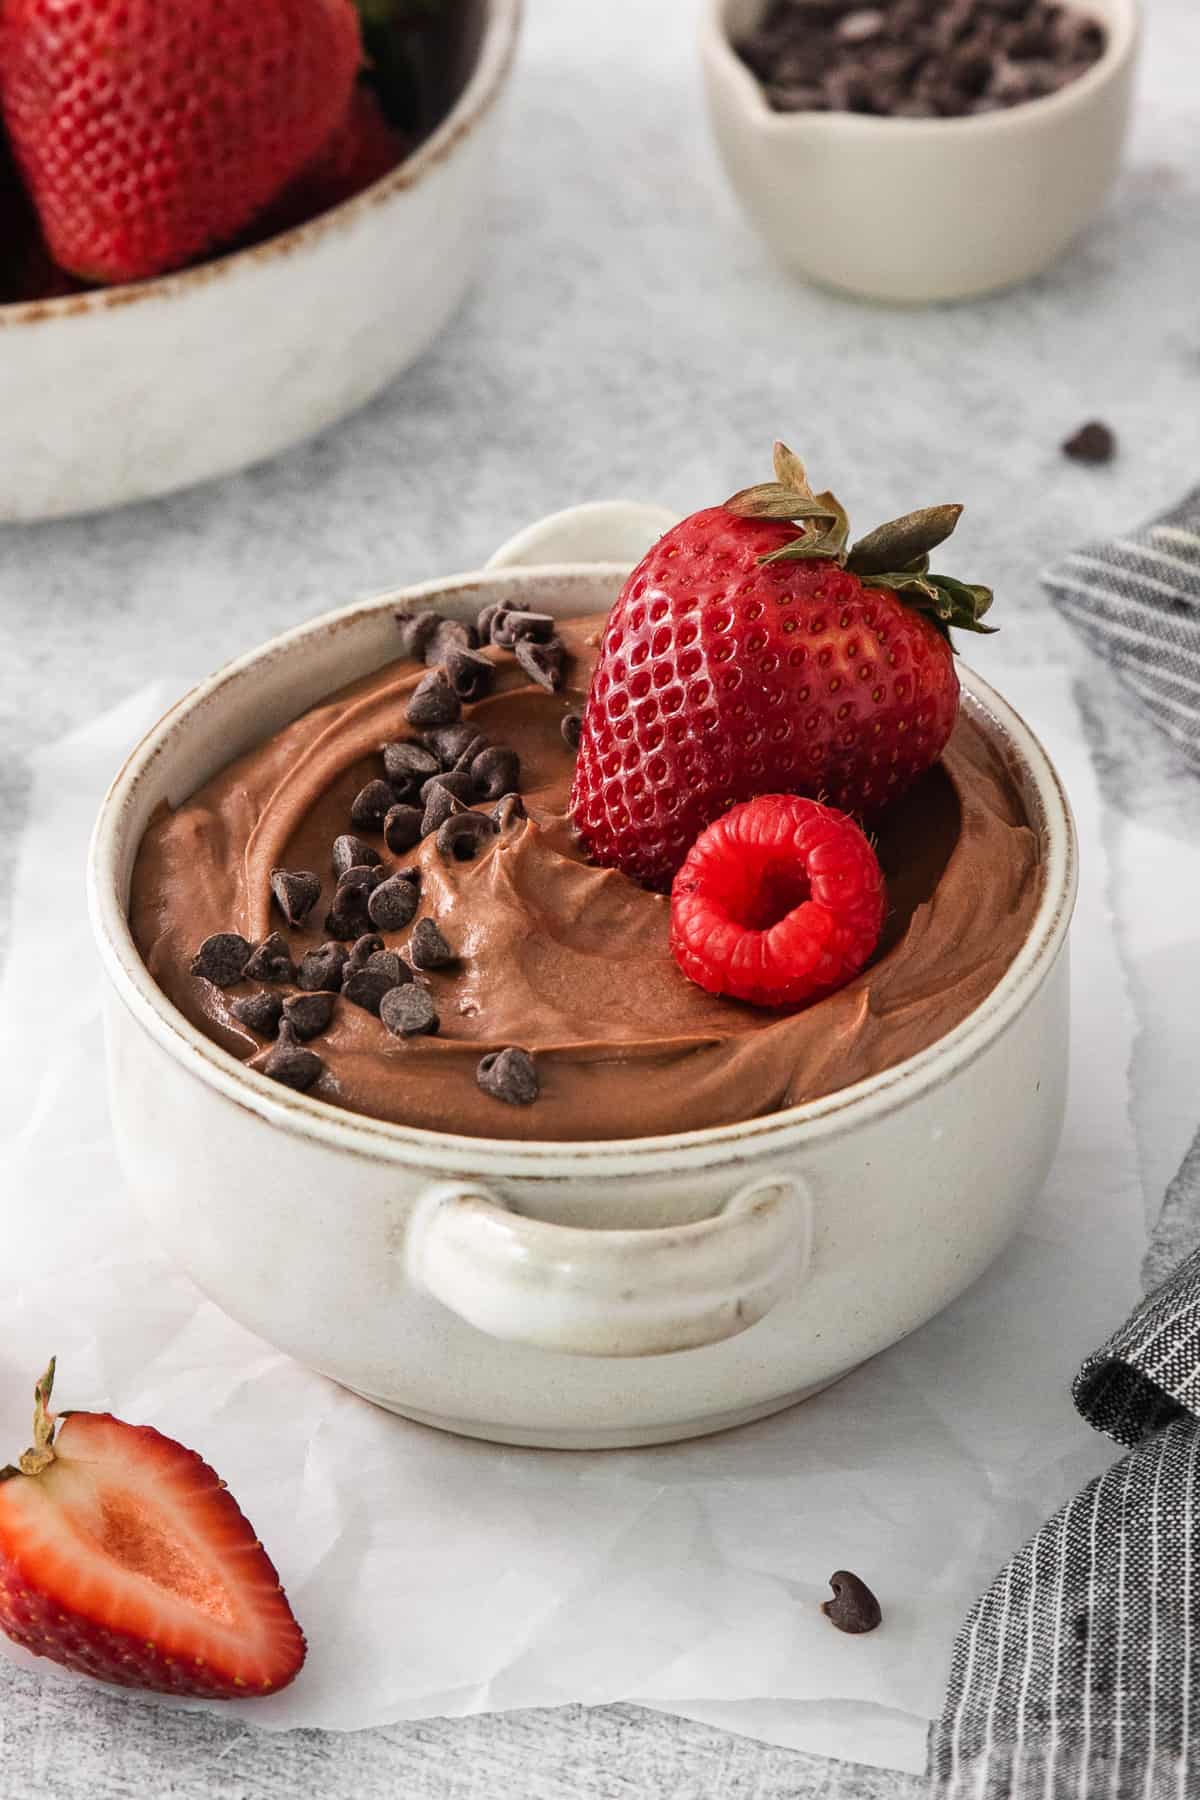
[628, 336]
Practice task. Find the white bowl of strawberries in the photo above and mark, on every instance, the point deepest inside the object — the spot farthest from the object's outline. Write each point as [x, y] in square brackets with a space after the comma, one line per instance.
[512, 1140]
[265, 217]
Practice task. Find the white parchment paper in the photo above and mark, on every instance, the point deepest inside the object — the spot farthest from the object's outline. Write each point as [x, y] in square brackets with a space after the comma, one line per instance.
[439, 1576]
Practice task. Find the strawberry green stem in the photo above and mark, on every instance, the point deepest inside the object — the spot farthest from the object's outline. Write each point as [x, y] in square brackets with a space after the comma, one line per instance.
[41, 1454]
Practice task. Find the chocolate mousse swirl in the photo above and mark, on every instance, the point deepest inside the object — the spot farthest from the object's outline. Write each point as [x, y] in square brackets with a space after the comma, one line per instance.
[567, 960]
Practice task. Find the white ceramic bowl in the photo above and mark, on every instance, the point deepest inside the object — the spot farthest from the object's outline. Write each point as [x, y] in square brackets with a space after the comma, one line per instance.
[921, 209]
[127, 392]
[583, 1294]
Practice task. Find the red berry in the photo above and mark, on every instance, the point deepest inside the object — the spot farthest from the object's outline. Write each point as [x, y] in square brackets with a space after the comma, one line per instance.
[149, 134]
[363, 148]
[779, 901]
[722, 676]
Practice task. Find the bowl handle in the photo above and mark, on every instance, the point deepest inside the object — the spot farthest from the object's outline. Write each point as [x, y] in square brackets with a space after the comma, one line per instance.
[604, 531]
[593, 1292]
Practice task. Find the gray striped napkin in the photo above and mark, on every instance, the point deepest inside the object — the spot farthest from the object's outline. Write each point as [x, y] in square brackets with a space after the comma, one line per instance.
[1074, 1673]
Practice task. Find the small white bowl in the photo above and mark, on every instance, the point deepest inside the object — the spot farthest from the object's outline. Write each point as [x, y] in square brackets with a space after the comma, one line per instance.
[530, 1292]
[914, 210]
[127, 392]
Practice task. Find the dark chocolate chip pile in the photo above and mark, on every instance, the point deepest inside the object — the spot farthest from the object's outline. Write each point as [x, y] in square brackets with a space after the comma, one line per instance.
[918, 59]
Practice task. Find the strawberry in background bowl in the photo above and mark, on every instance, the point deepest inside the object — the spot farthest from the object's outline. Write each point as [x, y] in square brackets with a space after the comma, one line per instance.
[178, 235]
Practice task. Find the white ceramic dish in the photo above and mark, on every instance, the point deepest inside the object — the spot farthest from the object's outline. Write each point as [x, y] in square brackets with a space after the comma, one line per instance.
[916, 210]
[584, 1294]
[120, 394]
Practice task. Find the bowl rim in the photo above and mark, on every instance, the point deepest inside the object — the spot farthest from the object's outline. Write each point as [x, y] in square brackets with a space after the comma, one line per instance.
[1123, 29]
[493, 61]
[379, 1139]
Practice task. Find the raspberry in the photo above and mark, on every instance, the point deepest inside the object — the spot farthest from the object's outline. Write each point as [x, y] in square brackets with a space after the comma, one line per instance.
[779, 901]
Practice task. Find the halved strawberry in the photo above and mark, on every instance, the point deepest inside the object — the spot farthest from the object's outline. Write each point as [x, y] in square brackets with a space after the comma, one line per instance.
[123, 1556]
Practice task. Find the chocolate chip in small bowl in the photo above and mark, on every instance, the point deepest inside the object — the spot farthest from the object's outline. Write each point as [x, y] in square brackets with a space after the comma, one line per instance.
[509, 1075]
[470, 675]
[290, 1063]
[409, 1012]
[367, 986]
[509, 810]
[259, 1012]
[403, 828]
[361, 951]
[271, 960]
[462, 836]
[451, 636]
[371, 805]
[545, 663]
[427, 948]
[455, 744]
[417, 632]
[433, 702]
[407, 765]
[321, 969]
[296, 892]
[496, 771]
[222, 958]
[393, 904]
[350, 852]
[572, 729]
[458, 782]
[440, 806]
[511, 627]
[349, 915]
[309, 1014]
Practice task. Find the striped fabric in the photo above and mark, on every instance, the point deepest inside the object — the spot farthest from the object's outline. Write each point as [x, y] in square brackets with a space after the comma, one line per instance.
[1076, 1674]
[1137, 600]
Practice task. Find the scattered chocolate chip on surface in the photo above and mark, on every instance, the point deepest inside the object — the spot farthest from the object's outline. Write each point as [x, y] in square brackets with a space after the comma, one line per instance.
[309, 1014]
[321, 969]
[271, 960]
[509, 1075]
[508, 810]
[545, 663]
[439, 807]
[416, 630]
[433, 702]
[572, 729]
[408, 1011]
[402, 828]
[259, 1012]
[1094, 442]
[296, 892]
[366, 987]
[455, 781]
[463, 835]
[470, 675]
[349, 852]
[427, 948]
[854, 1607]
[407, 765]
[511, 628]
[371, 805]
[222, 958]
[290, 1063]
[496, 771]
[393, 904]
[361, 951]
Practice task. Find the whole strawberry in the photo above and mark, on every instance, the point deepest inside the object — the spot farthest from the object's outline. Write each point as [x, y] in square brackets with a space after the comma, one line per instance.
[751, 652]
[149, 134]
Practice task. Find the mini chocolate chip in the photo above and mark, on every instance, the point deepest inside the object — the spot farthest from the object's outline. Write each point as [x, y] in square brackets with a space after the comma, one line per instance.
[350, 852]
[260, 1012]
[853, 1607]
[461, 837]
[407, 765]
[271, 961]
[290, 1063]
[391, 964]
[308, 1014]
[1092, 443]
[507, 811]
[361, 951]
[416, 629]
[511, 628]
[455, 781]
[572, 729]
[393, 904]
[483, 624]
[408, 1011]
[427, 948]
[402, 828]
[321, 969]
[440, 806]
[348, 916]
[451, 635]
[496, 771]
[370, 805]
[433, 701]
[470, 676]
[222, 958]
[544, 662]
[453, 742]
[296, 892]
[509, 1075]
[366, 987]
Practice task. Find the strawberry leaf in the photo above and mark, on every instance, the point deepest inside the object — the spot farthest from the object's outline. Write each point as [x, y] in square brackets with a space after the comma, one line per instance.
[947, 601]
[901, 541]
